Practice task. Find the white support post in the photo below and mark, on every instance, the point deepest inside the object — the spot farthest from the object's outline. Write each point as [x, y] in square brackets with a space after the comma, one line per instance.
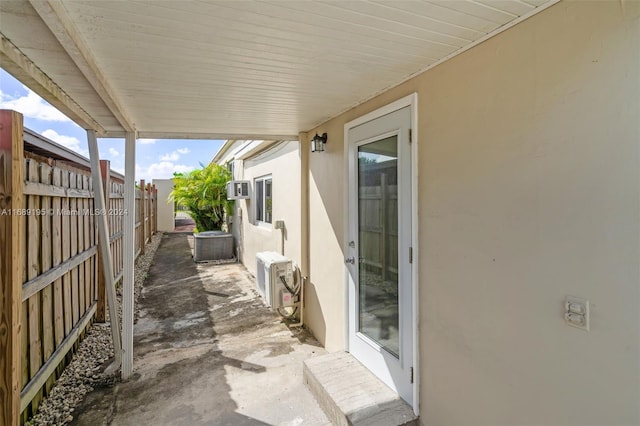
[105, 247]
[129, 253]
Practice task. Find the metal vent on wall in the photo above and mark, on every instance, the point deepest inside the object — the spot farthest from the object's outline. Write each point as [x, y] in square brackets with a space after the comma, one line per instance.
[238, 189]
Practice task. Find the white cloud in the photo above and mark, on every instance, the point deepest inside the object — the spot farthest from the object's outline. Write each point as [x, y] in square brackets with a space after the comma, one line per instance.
[172, 156]
[113, 152]
[32, 106]
[161, 170]
[175, 155]
[68, 141]
[147, 141]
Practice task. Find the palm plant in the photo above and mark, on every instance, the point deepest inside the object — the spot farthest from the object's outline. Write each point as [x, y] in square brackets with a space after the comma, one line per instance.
[203, 192]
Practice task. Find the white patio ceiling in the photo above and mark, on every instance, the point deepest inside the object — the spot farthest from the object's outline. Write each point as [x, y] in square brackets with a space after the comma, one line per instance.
[232, 69]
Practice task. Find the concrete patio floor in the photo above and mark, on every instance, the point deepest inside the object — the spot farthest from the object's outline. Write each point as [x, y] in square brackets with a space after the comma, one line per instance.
[207, 351]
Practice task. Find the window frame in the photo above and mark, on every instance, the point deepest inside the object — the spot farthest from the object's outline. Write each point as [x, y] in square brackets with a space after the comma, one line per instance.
[260, 210]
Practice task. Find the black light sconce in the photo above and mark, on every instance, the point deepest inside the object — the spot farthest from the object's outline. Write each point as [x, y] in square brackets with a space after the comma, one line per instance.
[317, 143]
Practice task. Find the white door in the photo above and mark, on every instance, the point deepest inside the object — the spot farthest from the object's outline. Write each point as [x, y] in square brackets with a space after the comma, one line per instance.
[379, 265]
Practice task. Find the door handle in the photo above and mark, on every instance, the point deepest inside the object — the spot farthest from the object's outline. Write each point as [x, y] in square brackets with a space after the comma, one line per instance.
[351, 260]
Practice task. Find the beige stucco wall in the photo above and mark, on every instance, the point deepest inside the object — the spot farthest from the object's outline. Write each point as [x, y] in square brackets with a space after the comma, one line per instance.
[282, 162]
[166, 220]
[529, 185]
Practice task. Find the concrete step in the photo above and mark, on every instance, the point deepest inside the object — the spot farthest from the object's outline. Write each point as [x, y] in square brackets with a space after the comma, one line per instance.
[350, 394]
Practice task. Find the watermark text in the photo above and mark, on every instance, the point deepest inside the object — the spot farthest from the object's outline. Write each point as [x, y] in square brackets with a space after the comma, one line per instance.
[63, 212]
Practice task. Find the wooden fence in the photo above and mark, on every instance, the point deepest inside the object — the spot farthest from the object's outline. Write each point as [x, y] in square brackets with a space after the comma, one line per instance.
[378, 233]
[51, 286]
[146, 214]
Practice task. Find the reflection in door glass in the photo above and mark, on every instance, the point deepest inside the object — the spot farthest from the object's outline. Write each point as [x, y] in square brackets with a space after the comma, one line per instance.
[259, 198]
[378, 242]
[268, 205]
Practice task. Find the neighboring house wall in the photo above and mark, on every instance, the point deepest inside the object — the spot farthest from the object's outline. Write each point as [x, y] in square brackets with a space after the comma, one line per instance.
[529, 183]
[282, 162]
[166, 212]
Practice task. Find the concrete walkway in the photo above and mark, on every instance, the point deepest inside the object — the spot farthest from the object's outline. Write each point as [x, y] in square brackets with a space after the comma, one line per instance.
[207, 352]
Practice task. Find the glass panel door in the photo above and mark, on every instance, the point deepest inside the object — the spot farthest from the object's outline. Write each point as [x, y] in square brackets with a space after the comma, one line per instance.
[378, 249]
[378, 243]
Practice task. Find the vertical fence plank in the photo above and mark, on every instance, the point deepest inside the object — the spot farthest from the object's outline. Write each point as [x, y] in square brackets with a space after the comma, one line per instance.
[101, 312]
[87, 245]
[121, 227]
[80, 235]
[24, 329]
[120, 217]
[73, 203]
[92, 242]
[66, 253]
[33, 270]
[138, 231]
[116, 228]
[45, 263]
[147, 214]
[24, 320]
[151, 211]
[143, 215]
[11, 269]
[112, 229]
[111, 224]
[141, 210]
[155, 210]
[56, 243]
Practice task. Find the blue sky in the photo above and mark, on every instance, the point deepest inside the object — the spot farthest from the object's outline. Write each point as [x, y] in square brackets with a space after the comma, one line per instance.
[155, 159]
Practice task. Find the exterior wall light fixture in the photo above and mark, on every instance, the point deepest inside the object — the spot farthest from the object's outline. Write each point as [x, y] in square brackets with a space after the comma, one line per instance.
[317, 143]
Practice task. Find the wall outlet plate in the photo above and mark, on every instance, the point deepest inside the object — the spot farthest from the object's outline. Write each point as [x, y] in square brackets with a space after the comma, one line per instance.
[576, 312]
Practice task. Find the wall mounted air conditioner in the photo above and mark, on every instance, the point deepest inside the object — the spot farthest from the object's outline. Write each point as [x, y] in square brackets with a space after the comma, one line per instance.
[238, 189]
[272, 269]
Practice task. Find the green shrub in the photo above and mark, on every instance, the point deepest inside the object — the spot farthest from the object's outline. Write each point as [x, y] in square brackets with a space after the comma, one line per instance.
[203, 192]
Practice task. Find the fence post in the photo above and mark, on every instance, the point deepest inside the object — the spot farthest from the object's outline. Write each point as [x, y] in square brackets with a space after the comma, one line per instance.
[101, 291]
[143, 204]
[155, 209]
[12, 243]
[147, 211]
[145, 197]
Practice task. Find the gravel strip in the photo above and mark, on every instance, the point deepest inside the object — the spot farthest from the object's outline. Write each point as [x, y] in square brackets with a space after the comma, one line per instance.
[85, 372]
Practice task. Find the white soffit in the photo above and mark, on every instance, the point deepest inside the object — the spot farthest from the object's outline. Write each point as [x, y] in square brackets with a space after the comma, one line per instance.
[236, 69]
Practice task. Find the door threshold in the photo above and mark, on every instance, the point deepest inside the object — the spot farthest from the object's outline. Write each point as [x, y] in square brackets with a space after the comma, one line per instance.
[350, 394]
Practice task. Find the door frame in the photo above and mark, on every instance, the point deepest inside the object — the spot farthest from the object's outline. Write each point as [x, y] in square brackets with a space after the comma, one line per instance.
[411, 101]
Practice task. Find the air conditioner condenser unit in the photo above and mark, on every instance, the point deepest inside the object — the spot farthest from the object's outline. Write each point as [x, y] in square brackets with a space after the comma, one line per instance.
[272, 270]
